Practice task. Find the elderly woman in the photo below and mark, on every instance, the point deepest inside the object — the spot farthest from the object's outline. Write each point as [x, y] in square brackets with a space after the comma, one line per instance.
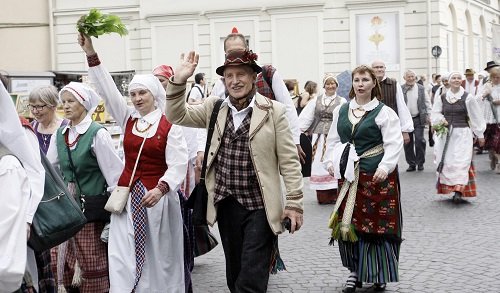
[460, 117]
[146, 239]
[315, 120]
[491, 101]
[43, 102]
[83, 151]
[366, 220]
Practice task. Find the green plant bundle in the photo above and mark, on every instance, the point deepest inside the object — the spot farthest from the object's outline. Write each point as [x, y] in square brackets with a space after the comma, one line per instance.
[95, 24]
[440, 129]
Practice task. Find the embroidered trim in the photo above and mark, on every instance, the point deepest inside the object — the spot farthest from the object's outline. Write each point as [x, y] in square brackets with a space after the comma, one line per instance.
[298, 210]
[93, 60]
[163, 187]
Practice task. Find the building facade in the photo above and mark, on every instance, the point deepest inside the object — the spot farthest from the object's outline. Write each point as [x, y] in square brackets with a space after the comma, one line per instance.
[303, 39]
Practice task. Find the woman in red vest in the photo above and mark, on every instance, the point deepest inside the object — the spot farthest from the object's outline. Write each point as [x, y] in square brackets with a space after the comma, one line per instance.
[146, 239]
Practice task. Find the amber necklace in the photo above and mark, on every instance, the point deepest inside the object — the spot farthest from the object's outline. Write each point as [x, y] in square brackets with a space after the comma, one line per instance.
[142, 130]
[354, 114]
[66, 140]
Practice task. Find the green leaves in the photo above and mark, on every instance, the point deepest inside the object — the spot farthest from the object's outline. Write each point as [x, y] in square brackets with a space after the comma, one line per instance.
[440, 129]
[95, 24]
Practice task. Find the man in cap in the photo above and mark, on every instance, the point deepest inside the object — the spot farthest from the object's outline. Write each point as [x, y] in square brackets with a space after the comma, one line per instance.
[489, 66]
[469, 83]
[251, 146]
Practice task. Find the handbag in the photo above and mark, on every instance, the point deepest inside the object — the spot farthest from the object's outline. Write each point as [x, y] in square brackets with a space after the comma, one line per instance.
[198, 200]
[119, 197]
[58, 216]
[92, 206]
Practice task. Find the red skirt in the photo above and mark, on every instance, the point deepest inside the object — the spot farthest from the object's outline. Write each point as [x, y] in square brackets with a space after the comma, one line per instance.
[468, 190]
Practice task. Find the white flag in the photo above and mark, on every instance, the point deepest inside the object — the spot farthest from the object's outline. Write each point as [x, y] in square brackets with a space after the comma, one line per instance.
[496, 42]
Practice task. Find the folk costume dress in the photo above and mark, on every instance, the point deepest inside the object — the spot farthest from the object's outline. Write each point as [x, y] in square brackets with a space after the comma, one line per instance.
[367, 220]
[316, 119]
[492, 132]
[463, 113]
[155, 264]
[97, 168]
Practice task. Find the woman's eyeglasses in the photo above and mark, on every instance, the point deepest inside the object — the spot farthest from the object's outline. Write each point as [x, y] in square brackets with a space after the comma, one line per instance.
[37, 107]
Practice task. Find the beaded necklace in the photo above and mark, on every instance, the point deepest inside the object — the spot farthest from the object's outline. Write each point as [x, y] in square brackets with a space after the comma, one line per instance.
[66, 140]
[142, 130]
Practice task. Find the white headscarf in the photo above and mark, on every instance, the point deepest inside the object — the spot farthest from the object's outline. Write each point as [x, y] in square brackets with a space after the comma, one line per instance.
[83, 94]
[455, 72]
[151, 83]
[14, 137]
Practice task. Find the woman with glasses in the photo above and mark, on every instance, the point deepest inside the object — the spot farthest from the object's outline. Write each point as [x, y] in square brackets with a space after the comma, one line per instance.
[43, 102]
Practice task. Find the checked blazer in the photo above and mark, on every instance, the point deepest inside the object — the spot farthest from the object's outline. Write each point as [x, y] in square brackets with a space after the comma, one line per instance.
[273, 152]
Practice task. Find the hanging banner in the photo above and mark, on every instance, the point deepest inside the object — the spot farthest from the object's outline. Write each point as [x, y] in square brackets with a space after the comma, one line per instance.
[495, 28]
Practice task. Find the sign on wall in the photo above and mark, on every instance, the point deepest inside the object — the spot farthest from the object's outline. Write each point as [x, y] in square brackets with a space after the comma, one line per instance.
[496, 42]
[378, 38]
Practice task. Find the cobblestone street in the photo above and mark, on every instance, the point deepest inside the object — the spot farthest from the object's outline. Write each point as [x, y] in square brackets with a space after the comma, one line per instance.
[448, 247]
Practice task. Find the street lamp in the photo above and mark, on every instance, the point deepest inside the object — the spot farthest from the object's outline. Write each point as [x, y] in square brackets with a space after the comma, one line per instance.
[436, 52]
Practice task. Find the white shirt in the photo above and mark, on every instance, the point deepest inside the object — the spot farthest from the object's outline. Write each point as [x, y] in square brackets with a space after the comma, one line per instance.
[307, 115]
[15, 196]
[195, 93]
[404, 115]
[280, 93]
[474, 111]
[108, 160]
[389, 125]
[471, 87]
[176, 152]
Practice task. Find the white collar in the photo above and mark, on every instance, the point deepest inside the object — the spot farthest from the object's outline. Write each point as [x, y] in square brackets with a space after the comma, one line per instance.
[250, 105]
[150, 118]
[367, 107]
[81, 127]
[453, 97]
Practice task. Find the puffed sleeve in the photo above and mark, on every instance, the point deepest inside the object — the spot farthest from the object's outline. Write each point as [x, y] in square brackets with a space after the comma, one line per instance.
[283, 96]
[437, 111]
[176, 156]
[332, 139]
[306, 117]
[109, 162]
[476, 117]
[389, 125]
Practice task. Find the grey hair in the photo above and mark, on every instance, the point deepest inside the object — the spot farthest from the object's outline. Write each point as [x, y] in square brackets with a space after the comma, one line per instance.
[46, 93]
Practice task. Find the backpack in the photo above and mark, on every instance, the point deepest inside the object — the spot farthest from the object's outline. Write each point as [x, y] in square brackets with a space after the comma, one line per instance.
[189, 93]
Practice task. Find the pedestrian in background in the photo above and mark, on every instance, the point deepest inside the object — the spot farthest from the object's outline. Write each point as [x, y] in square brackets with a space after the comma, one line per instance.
[363, 148]
[146, 248]
[459, 114]
[315, 121]
[419, 104]
[490, 94]
[251, 146]
[197, 92]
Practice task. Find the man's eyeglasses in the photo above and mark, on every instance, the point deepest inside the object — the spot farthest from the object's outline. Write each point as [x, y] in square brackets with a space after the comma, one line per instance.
[37, 107]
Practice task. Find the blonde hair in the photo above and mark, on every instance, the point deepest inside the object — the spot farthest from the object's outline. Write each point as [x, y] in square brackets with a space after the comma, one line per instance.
[47, 94]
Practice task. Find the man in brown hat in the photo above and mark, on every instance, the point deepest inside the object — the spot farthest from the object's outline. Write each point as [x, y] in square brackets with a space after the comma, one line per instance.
[469, 83]
[251, 146]
[489, 66]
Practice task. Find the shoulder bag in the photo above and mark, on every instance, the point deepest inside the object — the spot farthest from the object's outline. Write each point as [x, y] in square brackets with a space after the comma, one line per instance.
[119, 197]
[92, 206]
[58, 216]
[198, 200]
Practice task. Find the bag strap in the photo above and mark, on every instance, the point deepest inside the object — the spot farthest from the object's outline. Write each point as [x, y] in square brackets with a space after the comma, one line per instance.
[211, 128]
[137, 160]
[72, 166]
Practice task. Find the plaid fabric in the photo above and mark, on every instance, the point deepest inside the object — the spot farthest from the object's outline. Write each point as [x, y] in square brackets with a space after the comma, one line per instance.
[492, 137]
[234, 171]
[262, 87]
[46, 280]
[92, 255]
[139, 218]
[468, 190]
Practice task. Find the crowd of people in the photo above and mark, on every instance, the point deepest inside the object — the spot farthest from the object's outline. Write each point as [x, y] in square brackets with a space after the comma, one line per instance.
[254, 149]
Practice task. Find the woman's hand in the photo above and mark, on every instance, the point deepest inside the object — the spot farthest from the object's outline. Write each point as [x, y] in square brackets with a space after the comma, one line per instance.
[480, 141]
[379, 176]
[330, 169]
[86, 43]
[186, 67]
[151, 198]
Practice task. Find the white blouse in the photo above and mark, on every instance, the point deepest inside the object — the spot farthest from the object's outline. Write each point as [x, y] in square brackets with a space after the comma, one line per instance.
[307, 115]
[109, 162]
[476, 119]
[176, 152]
[388, 122]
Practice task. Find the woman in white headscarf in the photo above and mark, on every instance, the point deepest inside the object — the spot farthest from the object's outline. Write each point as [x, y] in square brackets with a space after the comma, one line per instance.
[315, 119]
[83, 151]
[460, 113]
[146, 251]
